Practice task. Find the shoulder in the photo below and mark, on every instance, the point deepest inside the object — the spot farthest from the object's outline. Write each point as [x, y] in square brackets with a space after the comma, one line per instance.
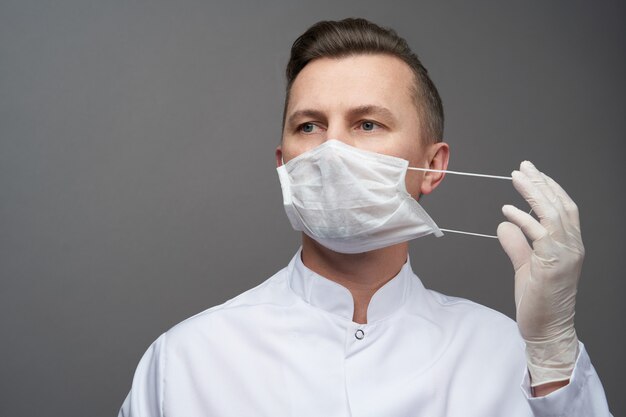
[466, 310]
[272, 294]
[476, 316]
[467, 320]
[475, 335]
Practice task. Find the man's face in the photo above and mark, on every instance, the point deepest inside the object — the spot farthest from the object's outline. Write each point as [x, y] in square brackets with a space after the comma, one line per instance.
[365, 101]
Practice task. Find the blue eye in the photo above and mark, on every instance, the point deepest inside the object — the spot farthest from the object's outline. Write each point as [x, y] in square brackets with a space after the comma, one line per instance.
[368, 126]
[307, 127]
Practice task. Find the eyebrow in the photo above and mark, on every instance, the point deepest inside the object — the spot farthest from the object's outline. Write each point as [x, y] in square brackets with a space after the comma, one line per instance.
[354, 112]
[366, 110]
[306, 113]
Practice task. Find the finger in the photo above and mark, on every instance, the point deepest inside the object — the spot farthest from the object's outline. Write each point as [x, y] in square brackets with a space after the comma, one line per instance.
[514, 244]
[548, 214]
[570, 208]
[527, 223]
[538, 178]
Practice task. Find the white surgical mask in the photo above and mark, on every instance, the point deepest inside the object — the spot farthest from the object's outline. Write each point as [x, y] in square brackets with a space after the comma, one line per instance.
[350, 200]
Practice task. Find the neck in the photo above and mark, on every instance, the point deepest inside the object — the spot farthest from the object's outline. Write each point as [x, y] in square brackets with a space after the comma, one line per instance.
[362, 273]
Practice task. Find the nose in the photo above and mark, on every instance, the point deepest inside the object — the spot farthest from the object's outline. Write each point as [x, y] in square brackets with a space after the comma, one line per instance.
[339, 131]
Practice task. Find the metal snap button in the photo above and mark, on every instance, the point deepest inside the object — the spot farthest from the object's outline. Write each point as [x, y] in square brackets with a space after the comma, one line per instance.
[360, 334]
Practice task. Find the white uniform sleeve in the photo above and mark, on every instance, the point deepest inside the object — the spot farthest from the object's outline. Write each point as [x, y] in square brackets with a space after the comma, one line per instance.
[145, 398]
[582, 397]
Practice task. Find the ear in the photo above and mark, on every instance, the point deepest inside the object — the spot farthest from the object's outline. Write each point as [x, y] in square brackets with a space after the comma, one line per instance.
[279, 156]
[438, 155]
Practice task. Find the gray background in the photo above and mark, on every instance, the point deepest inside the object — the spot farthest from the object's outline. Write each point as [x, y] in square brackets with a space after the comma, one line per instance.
[137, 181]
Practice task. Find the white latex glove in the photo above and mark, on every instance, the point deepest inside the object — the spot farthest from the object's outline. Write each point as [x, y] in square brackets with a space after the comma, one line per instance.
[546, 275]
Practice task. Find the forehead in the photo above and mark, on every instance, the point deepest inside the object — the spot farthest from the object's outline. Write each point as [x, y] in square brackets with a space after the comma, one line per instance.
[373, 79]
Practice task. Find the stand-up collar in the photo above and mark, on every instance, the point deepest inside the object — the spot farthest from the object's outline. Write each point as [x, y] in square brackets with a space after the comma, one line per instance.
[332, 297]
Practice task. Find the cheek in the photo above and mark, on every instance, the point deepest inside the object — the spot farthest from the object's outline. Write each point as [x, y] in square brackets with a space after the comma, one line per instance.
[413, 181]
[292, 147]
[290, 151]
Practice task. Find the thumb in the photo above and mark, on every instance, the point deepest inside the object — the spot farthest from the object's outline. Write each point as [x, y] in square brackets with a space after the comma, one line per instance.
[514, 244]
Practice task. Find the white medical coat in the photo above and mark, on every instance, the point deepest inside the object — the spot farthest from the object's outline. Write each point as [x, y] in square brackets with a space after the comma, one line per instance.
[289, 347]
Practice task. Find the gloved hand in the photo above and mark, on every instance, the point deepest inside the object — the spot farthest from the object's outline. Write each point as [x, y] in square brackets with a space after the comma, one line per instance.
[546, 275]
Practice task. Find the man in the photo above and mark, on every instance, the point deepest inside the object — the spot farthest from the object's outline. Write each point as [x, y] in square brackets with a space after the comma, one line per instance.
[347, 328]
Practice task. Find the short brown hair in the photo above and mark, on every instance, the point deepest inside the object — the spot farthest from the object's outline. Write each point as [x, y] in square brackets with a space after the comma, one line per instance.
[337, 39]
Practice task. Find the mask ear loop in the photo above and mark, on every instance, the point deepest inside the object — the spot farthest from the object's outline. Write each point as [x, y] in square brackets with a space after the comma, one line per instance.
[469, 174]
[460, 232]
